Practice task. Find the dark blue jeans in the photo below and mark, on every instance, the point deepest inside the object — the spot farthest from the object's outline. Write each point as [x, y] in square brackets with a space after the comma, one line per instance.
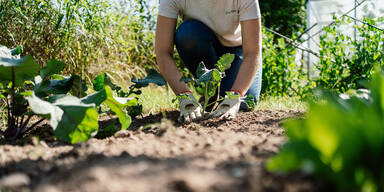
[195, 42]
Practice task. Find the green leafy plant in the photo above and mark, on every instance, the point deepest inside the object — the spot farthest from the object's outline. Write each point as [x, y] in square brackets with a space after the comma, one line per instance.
[206, 83]
[14, 70]
[345, 61]
[341, 141]
[282, 75]
[28, 92]
[208, 80]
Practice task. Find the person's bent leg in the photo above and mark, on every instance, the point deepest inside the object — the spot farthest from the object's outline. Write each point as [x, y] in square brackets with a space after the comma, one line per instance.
[195, 42]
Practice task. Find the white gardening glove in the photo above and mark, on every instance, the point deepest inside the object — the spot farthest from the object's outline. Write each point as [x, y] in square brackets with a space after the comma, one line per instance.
[190, 109]
[229, 108]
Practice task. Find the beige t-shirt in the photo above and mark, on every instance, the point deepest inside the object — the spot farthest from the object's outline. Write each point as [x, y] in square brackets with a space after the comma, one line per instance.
[221, 16]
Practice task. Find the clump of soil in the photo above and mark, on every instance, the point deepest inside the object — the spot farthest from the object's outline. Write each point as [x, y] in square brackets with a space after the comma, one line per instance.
[157, 154]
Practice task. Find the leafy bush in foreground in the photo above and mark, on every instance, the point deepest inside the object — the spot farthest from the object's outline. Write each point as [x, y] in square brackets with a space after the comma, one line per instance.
[341, 141]
[28, 94]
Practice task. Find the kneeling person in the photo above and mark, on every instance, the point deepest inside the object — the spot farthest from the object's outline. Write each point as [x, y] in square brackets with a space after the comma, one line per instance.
[210, 29]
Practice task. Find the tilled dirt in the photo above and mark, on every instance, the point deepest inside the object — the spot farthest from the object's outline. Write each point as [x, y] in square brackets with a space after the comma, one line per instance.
[156, 154]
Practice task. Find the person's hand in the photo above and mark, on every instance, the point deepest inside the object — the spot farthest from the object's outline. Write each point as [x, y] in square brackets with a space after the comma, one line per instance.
[229, 108]
[190, 109]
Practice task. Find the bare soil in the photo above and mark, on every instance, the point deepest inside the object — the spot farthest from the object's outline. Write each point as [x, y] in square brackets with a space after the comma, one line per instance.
[156, 154]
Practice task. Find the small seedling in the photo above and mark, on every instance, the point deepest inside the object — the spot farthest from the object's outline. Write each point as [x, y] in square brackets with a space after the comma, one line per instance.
[207, 82]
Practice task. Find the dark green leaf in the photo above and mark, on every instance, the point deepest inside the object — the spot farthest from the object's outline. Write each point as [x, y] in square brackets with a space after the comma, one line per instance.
[48, 87]
[79, 87]
[17, 51]
[152, 77]
[104, 80]
[201, 70]
[52, 67]
[24, 69]
[116, 104]
[135, 111]
[72, 120]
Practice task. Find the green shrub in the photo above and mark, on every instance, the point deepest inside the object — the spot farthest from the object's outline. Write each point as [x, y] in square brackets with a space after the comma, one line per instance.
[341, 141]
[345, 61]
[282, 76]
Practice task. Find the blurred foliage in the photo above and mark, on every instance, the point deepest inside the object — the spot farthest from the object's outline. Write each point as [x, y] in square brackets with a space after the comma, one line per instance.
[341, 141]
[344, 62]
[89, 35]
[287, 17]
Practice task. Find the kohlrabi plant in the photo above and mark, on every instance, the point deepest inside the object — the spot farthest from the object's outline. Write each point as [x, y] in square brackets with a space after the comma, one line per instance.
[28, 92]
[207, 82]
[14, 70]
[106, 79]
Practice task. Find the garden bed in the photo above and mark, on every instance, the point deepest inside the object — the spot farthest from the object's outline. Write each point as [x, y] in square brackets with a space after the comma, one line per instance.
[157, 155]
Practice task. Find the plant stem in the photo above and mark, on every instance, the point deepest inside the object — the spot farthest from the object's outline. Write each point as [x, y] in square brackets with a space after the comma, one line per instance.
[9, 112]
[206, 99]
[11, 130]
[23, 127]
[215, 102]
[32, 126]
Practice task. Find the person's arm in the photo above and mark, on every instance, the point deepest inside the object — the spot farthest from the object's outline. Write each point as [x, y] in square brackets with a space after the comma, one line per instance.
[251, 35]
[164, 43]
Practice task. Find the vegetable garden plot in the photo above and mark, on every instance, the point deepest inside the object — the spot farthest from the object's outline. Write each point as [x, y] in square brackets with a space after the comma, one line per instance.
[213, 155]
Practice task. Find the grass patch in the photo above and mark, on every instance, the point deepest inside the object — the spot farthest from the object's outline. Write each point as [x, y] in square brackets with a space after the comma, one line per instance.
[157, 99]
[282, 103]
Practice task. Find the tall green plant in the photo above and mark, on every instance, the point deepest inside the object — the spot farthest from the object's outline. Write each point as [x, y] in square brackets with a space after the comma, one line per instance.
[282, 76]
[345, 61]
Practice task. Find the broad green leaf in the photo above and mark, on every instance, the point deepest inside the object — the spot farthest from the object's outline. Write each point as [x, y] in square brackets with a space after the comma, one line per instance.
[23, 69]
[99, 82]
[41, 107]
[205, 75]
[116, 104]
[71, 120]
[225, 62]
[79, 87]
[212, 88]
[103, 80]
[79, 123]
[96, 98]
[52, 67]
[152, 77]
[201, 70]
[48, 87]
[216, 75]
